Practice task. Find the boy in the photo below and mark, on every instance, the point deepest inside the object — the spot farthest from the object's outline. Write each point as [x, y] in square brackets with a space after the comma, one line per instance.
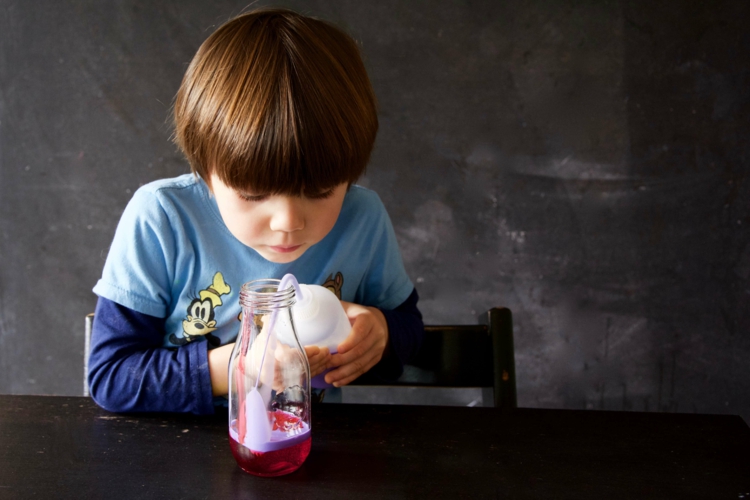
[277, 118]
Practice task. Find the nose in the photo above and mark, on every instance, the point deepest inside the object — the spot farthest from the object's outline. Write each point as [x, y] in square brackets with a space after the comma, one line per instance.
[288, 215]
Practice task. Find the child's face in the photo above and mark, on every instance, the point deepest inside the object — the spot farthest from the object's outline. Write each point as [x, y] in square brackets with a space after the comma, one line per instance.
[279, 227]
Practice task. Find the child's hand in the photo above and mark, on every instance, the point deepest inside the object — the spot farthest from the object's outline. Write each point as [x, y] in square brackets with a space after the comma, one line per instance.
[364, 346]
[319, 359]
[218, 365]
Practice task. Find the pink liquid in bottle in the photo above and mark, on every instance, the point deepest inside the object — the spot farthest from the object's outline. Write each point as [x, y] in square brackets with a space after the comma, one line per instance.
[270, 463]
[280, 456]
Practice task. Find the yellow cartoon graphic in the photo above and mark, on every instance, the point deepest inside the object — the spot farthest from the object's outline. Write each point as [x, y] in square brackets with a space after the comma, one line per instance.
[200, 320]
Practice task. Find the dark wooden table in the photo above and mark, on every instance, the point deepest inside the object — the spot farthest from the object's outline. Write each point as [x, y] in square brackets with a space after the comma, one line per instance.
[62, 447]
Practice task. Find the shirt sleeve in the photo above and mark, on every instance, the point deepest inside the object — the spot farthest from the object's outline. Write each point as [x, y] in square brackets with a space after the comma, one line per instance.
[385, 283]
[139, 269]
[130, 371]
[405, 334]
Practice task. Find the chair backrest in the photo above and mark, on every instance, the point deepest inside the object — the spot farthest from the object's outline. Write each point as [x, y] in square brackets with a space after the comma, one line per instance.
[86, 348]
[478, 355]
[453, 356]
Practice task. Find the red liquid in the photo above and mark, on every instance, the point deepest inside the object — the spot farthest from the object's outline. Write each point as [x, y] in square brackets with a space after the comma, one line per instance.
[272, 463]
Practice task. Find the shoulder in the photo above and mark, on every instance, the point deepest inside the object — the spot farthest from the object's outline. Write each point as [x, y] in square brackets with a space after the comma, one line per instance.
[362, 202]
[168, 195]
[175, 188]
[363, 216]
[362, 194]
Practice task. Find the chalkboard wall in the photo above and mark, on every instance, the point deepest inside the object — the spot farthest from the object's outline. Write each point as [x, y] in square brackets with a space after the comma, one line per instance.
[584, 163]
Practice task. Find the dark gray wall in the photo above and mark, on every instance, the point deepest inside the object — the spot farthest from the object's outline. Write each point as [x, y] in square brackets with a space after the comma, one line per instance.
[583, 162]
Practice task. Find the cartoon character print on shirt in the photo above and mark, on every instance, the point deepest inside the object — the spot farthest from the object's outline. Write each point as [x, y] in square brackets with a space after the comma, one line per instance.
[334, 284]
[200, 321]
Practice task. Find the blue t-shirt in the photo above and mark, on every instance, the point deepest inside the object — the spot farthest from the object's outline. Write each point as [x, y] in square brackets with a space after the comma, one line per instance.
[170, 291]
[172, 257]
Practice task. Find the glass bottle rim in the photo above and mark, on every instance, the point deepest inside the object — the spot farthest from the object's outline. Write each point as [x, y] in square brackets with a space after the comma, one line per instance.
[265, 294]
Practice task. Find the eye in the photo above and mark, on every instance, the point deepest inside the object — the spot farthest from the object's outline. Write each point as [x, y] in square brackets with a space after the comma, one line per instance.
[321, 195]
[252, 197]
[195, 310]
[205, 310]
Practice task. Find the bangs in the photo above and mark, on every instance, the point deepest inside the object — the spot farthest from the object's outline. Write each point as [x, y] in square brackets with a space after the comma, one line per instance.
[274, 102]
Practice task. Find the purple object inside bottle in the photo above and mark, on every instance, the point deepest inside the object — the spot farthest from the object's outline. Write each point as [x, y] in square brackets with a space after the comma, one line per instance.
[319, 381]
[282, 443]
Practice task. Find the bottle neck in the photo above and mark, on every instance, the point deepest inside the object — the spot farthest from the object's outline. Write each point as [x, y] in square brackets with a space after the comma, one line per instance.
[263, 296]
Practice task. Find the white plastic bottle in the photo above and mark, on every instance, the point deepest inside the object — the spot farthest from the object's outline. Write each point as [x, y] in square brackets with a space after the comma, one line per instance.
[319, 319]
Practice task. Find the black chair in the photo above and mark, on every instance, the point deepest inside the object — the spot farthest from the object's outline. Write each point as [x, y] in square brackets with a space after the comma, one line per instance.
[464, 356]
[86, 349]
[451, 356]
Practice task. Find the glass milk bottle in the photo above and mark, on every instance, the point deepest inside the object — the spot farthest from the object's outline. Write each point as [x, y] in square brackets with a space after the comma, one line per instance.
[269, 384]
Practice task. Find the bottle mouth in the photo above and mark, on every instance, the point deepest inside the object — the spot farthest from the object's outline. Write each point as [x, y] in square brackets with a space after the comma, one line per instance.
[263, 295]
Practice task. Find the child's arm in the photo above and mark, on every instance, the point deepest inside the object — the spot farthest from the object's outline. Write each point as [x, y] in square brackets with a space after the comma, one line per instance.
[381, 342]
[130, 370]
[218, 368]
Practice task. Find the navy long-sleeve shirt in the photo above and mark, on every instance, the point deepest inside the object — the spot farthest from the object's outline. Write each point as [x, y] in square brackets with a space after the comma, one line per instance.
[131, 371]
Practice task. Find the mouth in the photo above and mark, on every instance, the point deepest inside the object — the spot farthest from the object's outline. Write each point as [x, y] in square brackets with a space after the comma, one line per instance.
[284, 249]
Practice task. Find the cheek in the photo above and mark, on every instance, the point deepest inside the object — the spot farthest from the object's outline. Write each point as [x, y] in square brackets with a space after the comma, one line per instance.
[326, 218]
[329, 220]
[242, 224]
[247, 230]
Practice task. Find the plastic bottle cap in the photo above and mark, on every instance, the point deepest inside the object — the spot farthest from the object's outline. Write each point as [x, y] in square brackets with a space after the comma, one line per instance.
[308, 307]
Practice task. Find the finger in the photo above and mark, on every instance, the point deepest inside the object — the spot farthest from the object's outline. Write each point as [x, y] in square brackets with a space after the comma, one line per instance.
[347, 305]
[318, 361]
[349, 372]
[317, 353]
[359, 333]
[317, 369]
[355, 366]
[365, 342]
[369, 321]
[311, 350]
[357, 361]
[352, 310]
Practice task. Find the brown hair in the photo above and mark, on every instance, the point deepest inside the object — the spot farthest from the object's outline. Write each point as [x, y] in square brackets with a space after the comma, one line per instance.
[277, 102]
